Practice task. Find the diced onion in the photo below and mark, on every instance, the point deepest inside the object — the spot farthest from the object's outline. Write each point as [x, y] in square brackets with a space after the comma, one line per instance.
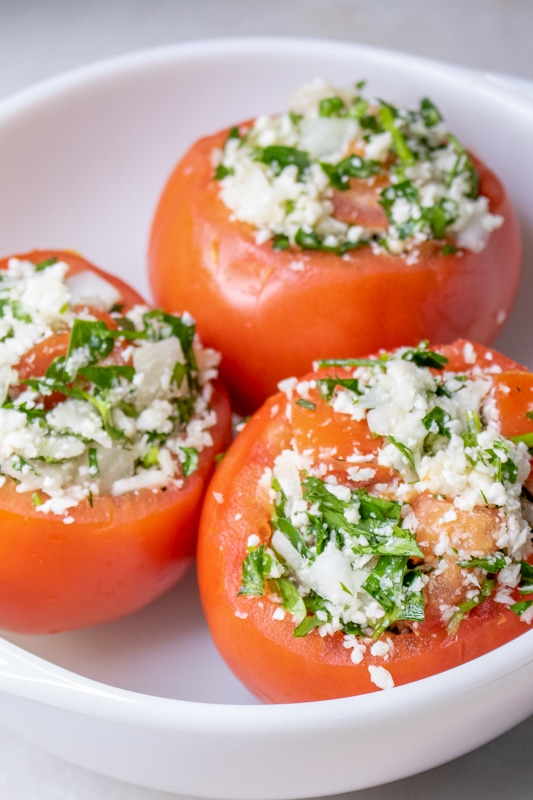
[87, 288]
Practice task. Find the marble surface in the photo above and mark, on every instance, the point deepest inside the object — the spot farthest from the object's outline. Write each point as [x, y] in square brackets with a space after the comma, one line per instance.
[42, 38]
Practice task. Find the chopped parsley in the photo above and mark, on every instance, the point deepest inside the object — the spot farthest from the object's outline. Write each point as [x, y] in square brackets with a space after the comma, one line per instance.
[376, 535]
[351, 167]
[278, 158]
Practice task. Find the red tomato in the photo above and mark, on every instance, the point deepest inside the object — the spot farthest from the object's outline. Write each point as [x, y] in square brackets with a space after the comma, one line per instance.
[270, 321]
[118, 553]
[261, 650]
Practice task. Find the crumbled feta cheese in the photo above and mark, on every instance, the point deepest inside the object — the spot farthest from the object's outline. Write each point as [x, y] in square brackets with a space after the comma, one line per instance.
[381, 677]
[380, 648]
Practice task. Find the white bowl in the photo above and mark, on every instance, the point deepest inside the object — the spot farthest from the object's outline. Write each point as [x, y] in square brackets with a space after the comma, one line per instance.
[147, 699]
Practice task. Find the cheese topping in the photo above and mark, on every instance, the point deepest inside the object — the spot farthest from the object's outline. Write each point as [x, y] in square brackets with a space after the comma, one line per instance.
[434, 519]
[126, 407]
[339, 171]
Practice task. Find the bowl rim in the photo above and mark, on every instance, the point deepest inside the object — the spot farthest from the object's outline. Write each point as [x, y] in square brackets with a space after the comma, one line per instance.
[23, 674]
[229, 46]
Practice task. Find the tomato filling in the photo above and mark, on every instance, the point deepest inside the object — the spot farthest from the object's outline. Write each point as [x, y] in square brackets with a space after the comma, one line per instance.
[341, 170]
[97, 398]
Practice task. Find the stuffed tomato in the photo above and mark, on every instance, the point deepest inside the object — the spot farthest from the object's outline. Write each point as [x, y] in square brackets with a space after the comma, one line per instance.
[371, 524]
[111, 417]
[337, 228]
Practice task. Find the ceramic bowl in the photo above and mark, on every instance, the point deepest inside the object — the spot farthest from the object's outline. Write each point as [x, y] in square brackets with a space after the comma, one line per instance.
[147, 699]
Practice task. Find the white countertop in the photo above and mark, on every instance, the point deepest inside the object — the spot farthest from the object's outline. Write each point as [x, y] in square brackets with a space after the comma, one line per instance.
[41, 38]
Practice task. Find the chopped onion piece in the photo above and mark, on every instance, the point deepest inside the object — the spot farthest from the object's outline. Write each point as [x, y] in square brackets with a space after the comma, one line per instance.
[87, 288]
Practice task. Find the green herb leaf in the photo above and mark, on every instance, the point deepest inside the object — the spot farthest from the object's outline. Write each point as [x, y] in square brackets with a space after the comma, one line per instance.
[449, 249]
[351, 167]
[17, 309]
[429, 113]
[108, 377]
[310, 240]
[388, 115]
[499, 456]
[386, 585]
[291, 600]
[94, 469]
[464, 163]
[406, 452]
[278, 157]
[526, 438]
[521, 606]
[423, 357]
[20, 464]
[306, 626]
[306, 404]
[93, 338]
[233, 133]
[464, 608]
[151, 459]
[189, 460]
[160, 325]
[327, 386]
[404, 190]
[353, 362]
[436, 421]
[280, 242]
[491, 563]
[439, 216]
[222, 172]
[331, 107]
[254, 567]
[292, 533]
[47, 262]
[526, 577]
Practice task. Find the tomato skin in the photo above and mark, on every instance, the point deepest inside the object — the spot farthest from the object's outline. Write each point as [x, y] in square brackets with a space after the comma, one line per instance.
[113, 559]
[118, 553]
[270, 321]
[262, 651]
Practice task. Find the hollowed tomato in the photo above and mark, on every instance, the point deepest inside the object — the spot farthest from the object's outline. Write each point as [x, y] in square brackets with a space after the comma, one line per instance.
[113, 554]
[260, 645]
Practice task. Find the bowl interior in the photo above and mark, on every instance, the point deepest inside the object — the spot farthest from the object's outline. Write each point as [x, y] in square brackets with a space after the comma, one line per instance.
[83, 159]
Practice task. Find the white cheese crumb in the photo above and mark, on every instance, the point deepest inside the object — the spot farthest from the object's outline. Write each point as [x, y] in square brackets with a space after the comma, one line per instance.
[381, 677]
[380, 648]
[358, 648]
